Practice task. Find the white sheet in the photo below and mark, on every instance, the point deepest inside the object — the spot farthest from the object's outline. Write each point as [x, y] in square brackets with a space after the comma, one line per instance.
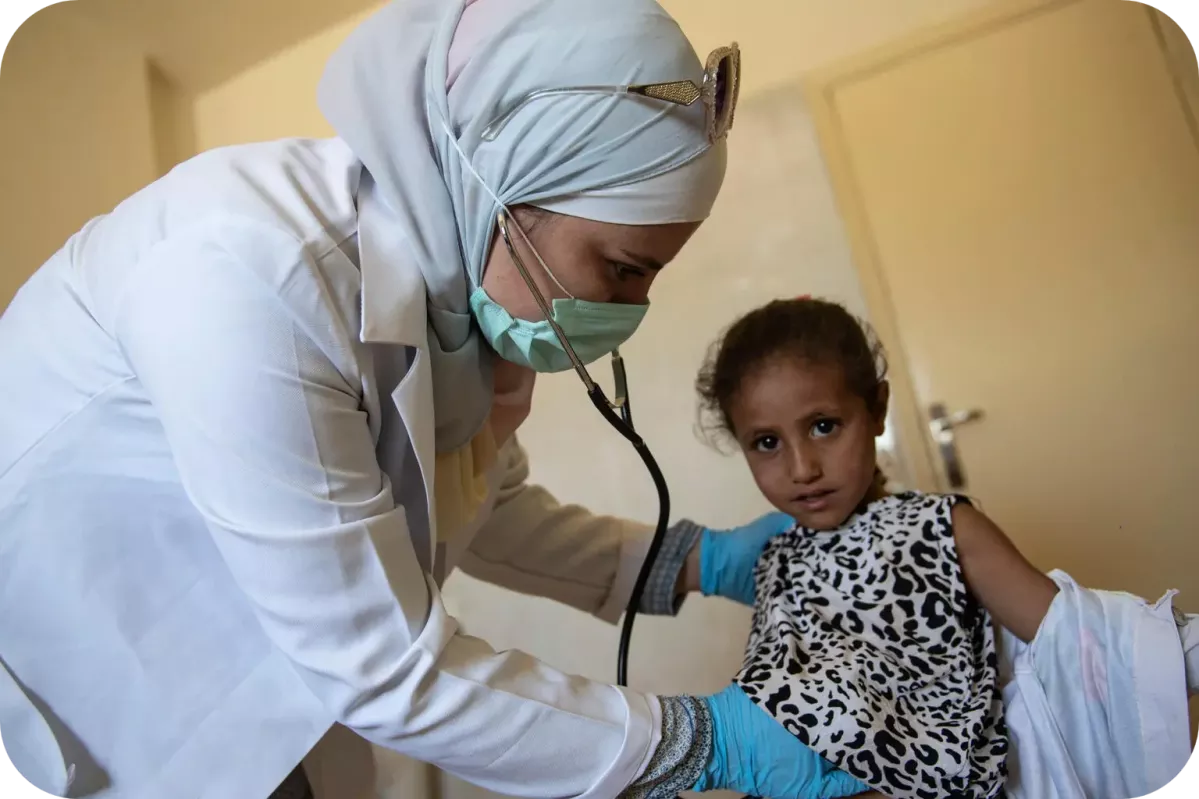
[1097, 703]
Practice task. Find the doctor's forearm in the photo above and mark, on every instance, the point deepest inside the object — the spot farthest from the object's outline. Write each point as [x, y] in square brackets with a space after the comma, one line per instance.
[675, 572]
[682, 754]
[688, 581]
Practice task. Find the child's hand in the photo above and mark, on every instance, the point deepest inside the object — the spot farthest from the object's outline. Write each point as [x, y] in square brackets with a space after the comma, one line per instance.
[727, 557]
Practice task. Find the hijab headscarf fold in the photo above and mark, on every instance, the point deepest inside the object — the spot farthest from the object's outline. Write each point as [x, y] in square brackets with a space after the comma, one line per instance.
[420, 71]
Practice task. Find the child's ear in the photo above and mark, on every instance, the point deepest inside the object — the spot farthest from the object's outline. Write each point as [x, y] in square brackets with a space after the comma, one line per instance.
[878, 409]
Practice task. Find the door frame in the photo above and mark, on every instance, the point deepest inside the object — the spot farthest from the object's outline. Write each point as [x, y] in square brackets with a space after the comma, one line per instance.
[916, 449]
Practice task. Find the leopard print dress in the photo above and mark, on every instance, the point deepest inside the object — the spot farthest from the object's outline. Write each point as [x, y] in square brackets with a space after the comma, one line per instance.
[867, 647]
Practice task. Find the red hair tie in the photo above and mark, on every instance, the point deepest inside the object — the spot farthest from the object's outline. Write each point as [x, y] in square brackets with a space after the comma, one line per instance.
[804, 297]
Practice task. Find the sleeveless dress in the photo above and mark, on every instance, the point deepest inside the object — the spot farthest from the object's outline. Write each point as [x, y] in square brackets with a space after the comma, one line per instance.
[867, 646]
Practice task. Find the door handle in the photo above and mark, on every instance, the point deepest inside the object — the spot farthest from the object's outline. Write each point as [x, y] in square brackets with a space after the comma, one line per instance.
[942, 423]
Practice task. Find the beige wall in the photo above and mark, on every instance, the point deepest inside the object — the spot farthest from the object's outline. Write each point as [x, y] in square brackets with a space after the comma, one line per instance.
[75, 132]
[172, 120]
[274, 100]
[781, 40]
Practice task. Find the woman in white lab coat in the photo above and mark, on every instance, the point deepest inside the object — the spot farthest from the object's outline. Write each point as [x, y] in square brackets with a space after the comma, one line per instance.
[253, 417]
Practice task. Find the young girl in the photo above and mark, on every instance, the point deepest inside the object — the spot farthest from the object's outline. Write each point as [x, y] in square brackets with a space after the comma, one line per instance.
[872, 639]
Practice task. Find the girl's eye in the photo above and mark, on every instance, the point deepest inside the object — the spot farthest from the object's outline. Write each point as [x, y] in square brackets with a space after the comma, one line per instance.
[626, 271]
[824, 428]
[766, 443]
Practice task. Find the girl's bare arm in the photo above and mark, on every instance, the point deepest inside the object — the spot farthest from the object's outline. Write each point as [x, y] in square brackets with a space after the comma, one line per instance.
[1015, 593]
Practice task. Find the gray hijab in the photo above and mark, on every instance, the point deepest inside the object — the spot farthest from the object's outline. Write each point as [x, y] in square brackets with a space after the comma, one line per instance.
[391, 95]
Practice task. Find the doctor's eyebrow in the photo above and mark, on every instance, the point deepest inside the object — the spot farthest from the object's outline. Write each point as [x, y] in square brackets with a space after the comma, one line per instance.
[641, 260]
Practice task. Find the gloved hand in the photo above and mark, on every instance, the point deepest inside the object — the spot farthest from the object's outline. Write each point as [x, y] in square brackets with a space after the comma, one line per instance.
[727, 557]
[755, 755]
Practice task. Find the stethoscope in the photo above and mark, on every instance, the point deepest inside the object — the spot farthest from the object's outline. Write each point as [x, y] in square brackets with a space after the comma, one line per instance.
[719, 91]
[619, 414]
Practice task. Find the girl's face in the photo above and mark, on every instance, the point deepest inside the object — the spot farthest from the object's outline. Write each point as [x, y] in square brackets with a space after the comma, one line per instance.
[808, 439]
[594, 261]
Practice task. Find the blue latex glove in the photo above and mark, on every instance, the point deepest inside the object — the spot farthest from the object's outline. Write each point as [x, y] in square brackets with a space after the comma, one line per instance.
[755, 755]
[727, 557]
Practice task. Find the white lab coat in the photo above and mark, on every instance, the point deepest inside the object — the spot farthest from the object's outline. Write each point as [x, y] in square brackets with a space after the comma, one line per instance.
[216, 453]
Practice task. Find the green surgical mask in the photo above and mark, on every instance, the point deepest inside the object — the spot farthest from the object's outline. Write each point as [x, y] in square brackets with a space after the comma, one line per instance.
[592, 328]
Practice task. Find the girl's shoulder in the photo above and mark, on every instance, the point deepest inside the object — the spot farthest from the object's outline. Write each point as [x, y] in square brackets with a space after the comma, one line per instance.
[914, 511]
[911, 503]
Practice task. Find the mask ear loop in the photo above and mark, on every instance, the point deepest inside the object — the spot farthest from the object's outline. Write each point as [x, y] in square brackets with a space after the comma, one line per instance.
[508, 214]
[537, 255]
[503, 219]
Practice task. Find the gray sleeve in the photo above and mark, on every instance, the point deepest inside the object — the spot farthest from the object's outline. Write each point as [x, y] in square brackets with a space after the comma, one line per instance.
[683, 753]
[659, 598]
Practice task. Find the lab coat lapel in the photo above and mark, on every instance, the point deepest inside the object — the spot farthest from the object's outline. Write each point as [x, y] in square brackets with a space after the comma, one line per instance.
[393, 290]
[394, 312]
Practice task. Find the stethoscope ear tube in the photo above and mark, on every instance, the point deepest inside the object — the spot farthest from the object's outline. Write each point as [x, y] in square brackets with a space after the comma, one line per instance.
[625, 428]
[655, 545]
